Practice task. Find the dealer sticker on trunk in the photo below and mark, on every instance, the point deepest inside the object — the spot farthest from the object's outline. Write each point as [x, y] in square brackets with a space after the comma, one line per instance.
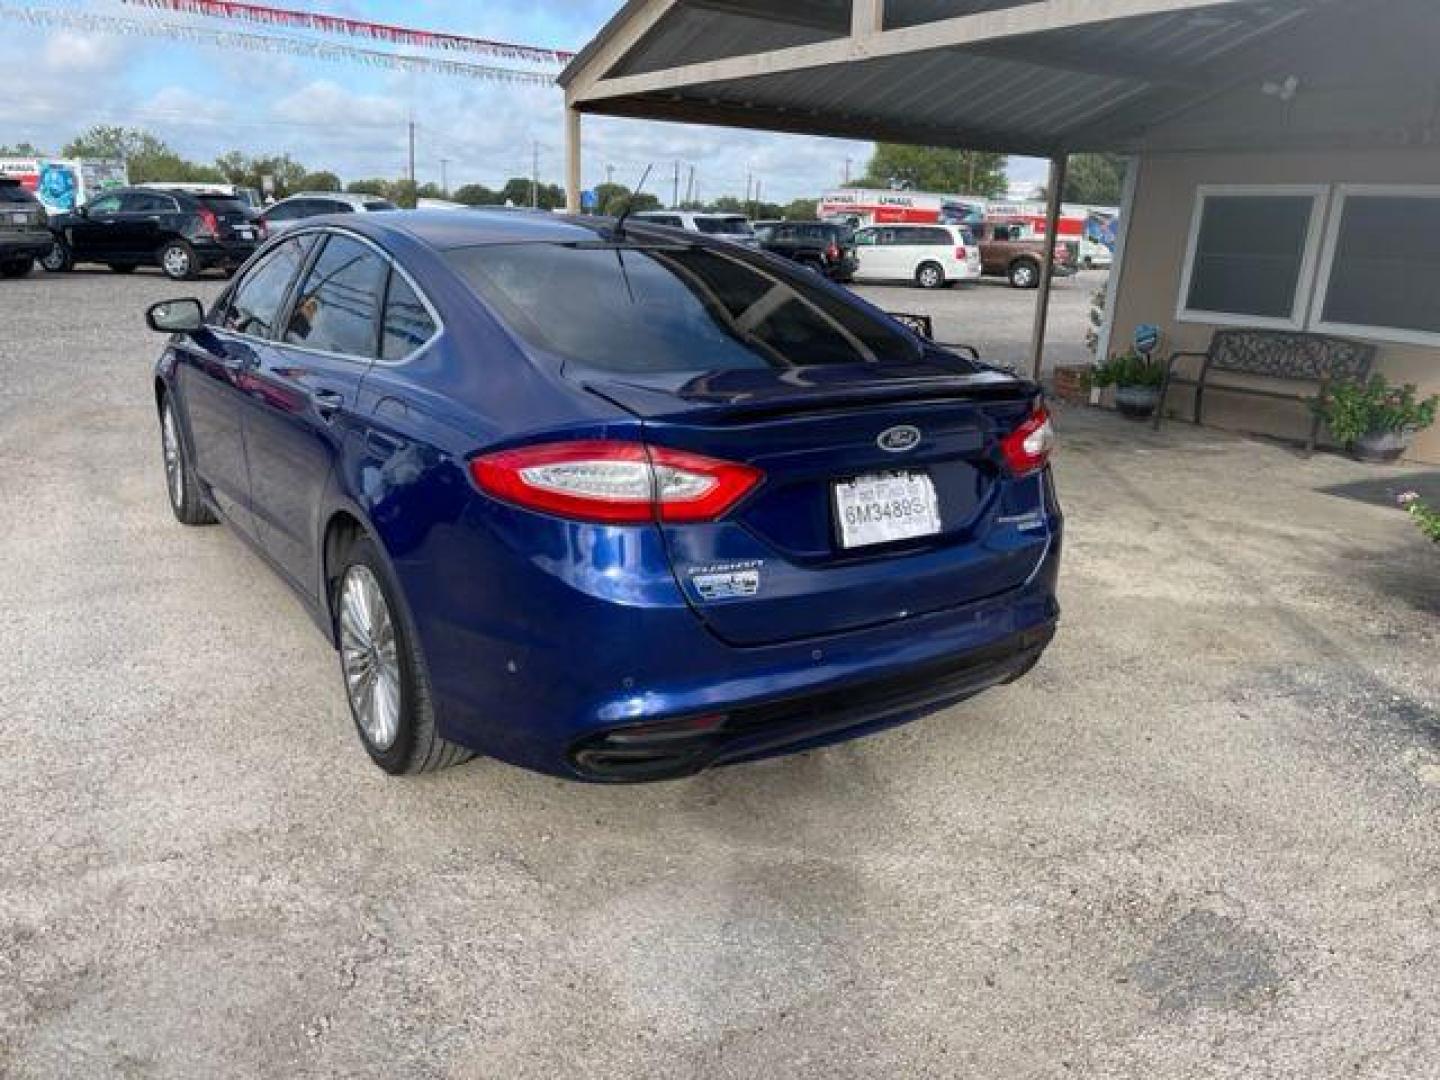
[727, 581]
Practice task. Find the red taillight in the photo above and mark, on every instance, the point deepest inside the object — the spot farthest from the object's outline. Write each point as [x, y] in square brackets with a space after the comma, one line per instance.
[1028, 447]
[209, 222]
[961, 253]
[616, 483]
[262, 228]
[833, 253]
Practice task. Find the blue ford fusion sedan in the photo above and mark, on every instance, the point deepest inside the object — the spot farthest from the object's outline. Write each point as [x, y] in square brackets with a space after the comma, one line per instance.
[611, 502]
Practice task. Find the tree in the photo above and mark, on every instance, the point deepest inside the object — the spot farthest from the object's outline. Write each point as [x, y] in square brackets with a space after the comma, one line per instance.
[146, 157]
[246, 171]
[801, 210]
[369, 187]
[403, 193]
[476, 195]
[324, 180]
[924, 168]
[23, 149]
[429, 190]
[1095, 179]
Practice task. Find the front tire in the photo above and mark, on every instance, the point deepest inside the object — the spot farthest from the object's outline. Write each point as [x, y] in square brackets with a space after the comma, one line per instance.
[17, 268]
[930, 276]
[384, 673]
[178, 260]
[58, 259]
[186, 500]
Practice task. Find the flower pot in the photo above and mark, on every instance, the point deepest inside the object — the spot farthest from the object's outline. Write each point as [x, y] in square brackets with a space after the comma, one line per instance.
[1380, 447]
[1137, 402]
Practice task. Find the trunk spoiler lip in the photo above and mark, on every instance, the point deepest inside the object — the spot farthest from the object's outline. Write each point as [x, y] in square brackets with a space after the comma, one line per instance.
[652, 402]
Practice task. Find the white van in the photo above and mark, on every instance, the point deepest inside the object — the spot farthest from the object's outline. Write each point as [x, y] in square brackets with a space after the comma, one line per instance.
[733, 227]
[930, 256]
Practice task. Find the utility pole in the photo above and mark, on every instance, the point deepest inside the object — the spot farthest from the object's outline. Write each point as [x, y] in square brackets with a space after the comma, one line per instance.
[535, 175]
[445, 177]
[412, 153]
[675, 188]
[847, 172]
[609, 174]
[690, 186]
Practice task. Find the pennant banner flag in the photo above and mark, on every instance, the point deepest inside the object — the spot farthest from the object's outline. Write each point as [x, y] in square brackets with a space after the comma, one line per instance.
[335, 24]
[233, 39]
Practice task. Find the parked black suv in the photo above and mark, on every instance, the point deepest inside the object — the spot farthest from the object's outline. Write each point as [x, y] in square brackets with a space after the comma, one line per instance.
[183, 233]
[821, 245]
[24, 235]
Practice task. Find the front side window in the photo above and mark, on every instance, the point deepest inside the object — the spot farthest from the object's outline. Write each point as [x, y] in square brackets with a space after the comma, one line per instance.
[1250, 257]
[11, 192]
[671, 308]
[1383, 265]
[338, 306]
[723, 226]
[255, 305]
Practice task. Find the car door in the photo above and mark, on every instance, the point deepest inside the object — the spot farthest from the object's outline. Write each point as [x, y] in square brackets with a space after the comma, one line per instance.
[136, 233]
[301, 411]
[869, 259]
[215, 375]
[91, 230]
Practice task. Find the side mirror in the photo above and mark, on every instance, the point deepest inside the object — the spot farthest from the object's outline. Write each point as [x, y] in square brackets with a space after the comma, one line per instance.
[176, 316]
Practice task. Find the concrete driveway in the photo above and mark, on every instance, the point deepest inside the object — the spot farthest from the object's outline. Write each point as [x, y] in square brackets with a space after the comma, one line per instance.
[1200, 841]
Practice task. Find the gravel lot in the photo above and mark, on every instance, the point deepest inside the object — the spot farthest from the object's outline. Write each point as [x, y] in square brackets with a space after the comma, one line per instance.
[1199, 841]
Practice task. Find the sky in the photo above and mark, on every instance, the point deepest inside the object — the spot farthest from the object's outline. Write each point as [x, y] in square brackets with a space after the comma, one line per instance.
[352, 119]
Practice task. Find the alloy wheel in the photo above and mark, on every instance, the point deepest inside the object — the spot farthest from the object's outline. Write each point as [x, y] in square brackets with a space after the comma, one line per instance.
[174, 463]
[369, 656]
[176, 262]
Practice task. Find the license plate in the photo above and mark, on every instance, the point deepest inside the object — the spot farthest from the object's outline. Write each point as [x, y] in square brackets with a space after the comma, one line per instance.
[20, 219]
[245, 234]
[886, 507]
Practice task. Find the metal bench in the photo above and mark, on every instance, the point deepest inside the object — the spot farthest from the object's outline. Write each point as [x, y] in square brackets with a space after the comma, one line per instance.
[1273, 354]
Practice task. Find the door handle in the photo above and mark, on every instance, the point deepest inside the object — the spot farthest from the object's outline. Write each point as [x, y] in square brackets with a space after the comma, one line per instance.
[327, 402]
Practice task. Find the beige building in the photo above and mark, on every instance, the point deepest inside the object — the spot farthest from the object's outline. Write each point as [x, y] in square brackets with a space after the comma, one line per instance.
[1285, 153]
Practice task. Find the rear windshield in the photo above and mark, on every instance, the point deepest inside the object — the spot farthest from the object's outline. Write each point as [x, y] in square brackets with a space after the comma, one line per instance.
[681, 308]
[723, 226]
[377, 205]
[11, 192]
[223, 204]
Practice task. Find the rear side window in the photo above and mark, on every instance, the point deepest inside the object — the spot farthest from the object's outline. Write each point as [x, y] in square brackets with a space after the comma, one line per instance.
[408, 324]
[723, 226]
[338, 307]
[671, 308]
[15, 194]
[222, 204]
[376, 206]
[255, 304]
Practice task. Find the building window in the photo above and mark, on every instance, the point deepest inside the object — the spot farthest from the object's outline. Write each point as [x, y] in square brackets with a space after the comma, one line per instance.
[1380, 277]
[1252, 255]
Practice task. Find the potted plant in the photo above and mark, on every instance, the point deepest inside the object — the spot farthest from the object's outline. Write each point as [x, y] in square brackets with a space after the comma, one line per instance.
[1374, 420]
[1137, 379]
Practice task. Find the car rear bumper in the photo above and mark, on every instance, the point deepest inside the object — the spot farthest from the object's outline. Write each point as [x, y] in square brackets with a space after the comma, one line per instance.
[25, 246]
[225, 252]
[544, 674]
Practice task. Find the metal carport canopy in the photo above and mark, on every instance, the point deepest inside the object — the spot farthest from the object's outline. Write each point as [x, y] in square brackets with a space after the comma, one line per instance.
[1037, 77]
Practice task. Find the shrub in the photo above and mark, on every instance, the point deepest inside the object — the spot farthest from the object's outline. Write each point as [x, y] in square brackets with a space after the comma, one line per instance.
[1425, 517]
[1355, 409]
[1128, 369]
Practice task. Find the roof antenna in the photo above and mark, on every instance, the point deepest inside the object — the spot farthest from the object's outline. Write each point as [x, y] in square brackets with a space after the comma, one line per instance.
[618, 233]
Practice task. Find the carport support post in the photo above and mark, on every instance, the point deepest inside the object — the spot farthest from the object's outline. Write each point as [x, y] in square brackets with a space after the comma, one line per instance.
[1058, 165]
[572, 159]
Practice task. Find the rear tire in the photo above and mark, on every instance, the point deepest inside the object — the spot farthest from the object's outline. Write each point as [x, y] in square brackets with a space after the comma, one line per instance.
[186, 500]
[17, 268]
[385, 678]
[1025, 274]
[178, 260]
[58, 259]
[930, 275]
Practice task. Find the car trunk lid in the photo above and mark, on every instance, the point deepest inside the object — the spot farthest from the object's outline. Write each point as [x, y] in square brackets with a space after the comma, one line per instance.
[791, 561]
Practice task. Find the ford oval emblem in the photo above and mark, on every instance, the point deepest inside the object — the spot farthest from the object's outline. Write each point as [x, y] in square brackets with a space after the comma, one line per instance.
[898, 440]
